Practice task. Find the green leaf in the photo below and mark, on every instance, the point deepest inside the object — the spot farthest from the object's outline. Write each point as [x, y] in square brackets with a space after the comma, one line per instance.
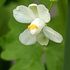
[46, 2]
[4, 18]
[24, 2]
[19, 51]
[27, 65]
[2, 2]
[54, 56]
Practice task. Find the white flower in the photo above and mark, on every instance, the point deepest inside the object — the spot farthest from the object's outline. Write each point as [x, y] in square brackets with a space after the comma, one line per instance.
[37, 31]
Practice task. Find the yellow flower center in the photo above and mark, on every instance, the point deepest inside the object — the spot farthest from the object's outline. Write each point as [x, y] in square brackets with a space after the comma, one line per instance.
[32, 26]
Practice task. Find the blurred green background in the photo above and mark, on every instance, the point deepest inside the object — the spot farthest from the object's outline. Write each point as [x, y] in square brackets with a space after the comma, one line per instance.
[13, 56]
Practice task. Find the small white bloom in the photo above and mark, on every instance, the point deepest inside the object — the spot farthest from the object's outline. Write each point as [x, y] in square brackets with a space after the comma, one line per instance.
[37, 31]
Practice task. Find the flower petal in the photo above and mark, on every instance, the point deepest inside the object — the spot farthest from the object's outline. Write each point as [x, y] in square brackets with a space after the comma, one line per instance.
[23, 14]
[52, 34]
[27, 38]
[42, 39]
[36, 26]
[33, 7]
[43, 13]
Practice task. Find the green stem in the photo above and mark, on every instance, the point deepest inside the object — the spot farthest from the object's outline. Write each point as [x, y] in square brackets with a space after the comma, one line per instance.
[44, 57]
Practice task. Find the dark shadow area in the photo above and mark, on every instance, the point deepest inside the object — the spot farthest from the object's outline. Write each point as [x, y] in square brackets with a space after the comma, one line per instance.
[4, 65]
